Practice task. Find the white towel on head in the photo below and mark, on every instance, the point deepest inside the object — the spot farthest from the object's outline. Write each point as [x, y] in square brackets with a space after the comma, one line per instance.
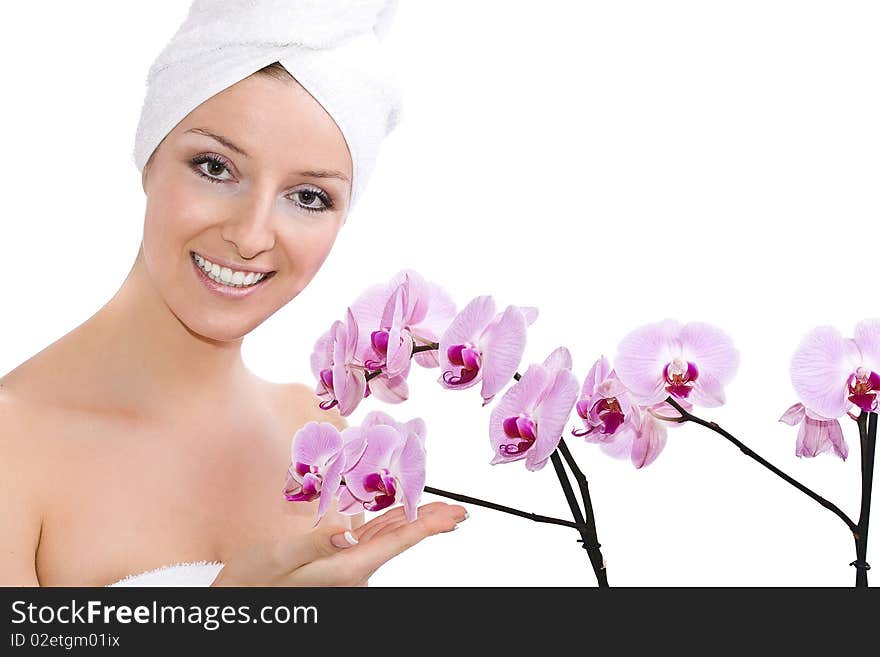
[331, 47]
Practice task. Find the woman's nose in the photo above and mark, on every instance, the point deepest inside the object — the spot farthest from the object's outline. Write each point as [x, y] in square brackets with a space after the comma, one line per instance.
[251, 227]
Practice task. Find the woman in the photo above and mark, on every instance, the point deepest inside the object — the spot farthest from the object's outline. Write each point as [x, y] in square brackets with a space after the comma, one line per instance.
[139, 442]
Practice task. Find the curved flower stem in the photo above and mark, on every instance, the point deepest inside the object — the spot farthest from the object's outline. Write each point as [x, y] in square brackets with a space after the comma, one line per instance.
[868, 441]
[587, 540]
[504, 509]
[592, 546]
[686, 416]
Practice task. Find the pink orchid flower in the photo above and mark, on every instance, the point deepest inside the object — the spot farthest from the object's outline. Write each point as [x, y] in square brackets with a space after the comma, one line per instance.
[482, 346]
[642, 445]
[341, 377]
[317, 462]
[528, 421]
[691, 363]
[605, 406]
[817, 434]
[415, 427]
[831, 373]
[391, 469]
[405, 312]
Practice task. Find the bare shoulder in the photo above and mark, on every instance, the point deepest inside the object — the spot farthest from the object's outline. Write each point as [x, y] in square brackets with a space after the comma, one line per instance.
[303, 403]
[21, 510]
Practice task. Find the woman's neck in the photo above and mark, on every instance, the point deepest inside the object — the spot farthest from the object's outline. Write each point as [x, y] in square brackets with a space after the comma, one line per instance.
[135, 356]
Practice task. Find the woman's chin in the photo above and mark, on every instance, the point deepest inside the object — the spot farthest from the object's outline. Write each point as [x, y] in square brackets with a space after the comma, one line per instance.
[218, 330]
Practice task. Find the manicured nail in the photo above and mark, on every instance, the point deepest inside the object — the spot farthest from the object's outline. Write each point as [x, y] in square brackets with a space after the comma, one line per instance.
[344, 540]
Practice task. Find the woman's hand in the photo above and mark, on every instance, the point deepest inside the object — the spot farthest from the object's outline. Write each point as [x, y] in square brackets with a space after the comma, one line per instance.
[325, 557]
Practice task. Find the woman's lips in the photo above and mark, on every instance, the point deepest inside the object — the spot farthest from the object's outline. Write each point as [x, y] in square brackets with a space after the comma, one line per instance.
[227, 291]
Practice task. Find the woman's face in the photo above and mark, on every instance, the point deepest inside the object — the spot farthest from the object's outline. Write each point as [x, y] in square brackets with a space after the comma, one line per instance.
[272, 198]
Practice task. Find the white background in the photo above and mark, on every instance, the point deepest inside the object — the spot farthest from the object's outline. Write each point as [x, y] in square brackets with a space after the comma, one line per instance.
[612, 164]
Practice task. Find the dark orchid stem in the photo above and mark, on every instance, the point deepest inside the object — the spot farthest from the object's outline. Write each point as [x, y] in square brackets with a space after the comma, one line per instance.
[868, 441]
[504, 509]
[588, 540]
[593, 546]
[685, 417]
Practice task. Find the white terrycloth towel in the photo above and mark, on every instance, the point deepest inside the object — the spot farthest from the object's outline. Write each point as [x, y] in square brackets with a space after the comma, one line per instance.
[332, 48]
[186, 573]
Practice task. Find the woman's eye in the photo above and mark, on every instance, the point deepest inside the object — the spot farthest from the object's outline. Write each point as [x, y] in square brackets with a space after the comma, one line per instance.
[211, 168]
[312, 199]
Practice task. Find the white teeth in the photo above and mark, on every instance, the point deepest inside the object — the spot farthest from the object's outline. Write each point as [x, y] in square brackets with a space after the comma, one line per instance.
[227, 276]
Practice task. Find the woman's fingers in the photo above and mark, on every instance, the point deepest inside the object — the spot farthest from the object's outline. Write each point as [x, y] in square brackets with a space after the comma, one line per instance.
[395, 515]
[352, 567]
[386, 544]
[323, 541]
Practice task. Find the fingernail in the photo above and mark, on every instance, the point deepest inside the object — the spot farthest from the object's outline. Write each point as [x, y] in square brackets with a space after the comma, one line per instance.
[344, 540]
[466, 515]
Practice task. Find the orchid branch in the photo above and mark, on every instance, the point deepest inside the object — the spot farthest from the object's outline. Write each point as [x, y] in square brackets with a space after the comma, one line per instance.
[504, 509]
[690, 417]
[589, 538]
[868, 440]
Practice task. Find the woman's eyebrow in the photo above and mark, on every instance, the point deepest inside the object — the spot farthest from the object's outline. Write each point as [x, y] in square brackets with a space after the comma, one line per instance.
[313, 173]
[221, 139]
[324, 173]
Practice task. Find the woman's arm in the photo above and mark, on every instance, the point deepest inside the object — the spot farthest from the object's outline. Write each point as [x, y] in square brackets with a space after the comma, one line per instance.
[20, 514]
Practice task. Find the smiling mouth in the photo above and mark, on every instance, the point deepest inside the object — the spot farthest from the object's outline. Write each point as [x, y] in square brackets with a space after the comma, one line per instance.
[229, 277]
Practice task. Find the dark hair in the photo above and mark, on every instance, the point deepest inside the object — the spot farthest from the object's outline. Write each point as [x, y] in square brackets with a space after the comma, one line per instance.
[277, 71]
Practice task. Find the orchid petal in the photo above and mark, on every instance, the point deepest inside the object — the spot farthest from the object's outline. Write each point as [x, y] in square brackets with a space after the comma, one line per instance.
[867, 337]
[559, 359]
[820, 368]
[641, 356]
[348, 503]
[835, 437]
[465, 327]
[381, 441]
[711, 349]
[793, 415]
[367, 310]
[502, 345]
[707, 391]
[649, 441]
[521, 397]
[390, 390]
[410, 472]
[810, 440]
[551, 417]
[530, 313]
[315, 443]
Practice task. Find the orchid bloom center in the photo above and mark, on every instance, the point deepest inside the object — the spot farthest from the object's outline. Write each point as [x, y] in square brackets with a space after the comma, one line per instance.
[466, 356]
[863, 386]
[383, 484]
[379, 340]
[326, 376]
[522, 431]
[680, 376]
[308, 487]
[609, 413]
